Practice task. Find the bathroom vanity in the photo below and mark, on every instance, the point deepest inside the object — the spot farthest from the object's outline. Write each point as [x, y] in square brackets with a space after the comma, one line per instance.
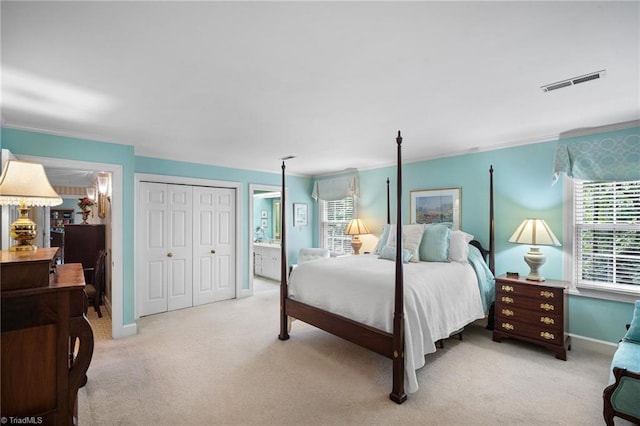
[266, 260]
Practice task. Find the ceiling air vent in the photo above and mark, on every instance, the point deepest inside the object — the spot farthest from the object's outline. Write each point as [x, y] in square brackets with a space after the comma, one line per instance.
[573, 81]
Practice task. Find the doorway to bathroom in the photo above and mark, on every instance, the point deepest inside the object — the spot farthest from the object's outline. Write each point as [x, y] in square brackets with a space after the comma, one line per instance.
[264, 235]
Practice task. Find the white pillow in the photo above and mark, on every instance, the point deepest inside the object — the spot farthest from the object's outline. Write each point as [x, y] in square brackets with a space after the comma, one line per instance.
[411, 238]
[459, 246]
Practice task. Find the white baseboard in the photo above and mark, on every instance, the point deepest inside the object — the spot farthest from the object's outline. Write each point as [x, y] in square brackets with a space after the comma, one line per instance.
[124, 331]
[593, 345]
[107, 305]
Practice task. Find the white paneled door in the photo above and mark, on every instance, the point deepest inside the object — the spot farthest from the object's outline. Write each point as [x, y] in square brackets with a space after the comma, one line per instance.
[165, 232]
[214, 241]
[151, 275]
[186, 237]
[180, 247]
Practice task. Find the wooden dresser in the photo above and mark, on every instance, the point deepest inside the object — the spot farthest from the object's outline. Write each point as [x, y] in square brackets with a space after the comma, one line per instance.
[534, 312]
[47, 342]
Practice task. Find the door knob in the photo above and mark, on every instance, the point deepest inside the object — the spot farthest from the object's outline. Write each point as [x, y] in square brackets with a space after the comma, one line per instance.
[213, 251]
[169, 254]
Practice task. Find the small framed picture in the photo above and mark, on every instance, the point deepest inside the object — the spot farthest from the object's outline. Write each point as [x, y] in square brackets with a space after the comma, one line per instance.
[300, 214]
[436, 206]
[264, 223]
[263, 215]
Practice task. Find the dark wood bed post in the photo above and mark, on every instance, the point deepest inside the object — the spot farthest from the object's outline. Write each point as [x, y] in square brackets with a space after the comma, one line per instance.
[492, 251]
[284, 332]
[388, 205]
[398, 394]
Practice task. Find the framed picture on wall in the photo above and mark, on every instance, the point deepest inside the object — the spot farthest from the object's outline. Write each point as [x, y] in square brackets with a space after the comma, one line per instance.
[263, 223]
[300, 214]
[263, 214]
[436, 206]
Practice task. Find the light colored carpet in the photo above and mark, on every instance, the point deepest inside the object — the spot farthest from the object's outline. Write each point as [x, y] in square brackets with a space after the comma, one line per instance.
[101, 326]
[222, 364]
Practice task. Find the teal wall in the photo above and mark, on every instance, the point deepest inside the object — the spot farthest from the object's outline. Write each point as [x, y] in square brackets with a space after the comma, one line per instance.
[523, 187]
[37, 144]
[522, 183]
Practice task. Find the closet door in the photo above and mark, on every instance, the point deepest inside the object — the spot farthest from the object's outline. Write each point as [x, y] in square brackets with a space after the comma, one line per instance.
[151, 275]
[214, 240]
[165, 243]
[180, 244]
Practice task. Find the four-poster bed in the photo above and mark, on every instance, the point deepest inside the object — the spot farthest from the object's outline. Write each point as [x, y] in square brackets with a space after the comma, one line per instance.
[371, 324]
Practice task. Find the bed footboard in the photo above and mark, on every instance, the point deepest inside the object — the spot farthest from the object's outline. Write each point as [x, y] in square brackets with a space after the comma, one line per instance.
[361, 334]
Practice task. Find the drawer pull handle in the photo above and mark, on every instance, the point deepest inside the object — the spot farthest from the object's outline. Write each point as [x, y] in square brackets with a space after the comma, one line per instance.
[507, 326]
[507, 312]
[547, 320]
[547, 307]
[546, 294]
[547, 335]
[507, 299]
[507, 288]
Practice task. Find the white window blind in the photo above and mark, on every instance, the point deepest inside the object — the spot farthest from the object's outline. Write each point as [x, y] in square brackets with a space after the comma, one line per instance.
[607, 240]
[334, 218]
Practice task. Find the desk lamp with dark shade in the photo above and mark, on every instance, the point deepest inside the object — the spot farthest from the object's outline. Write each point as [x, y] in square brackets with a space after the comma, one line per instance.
[25, 184]
[534, 232]
[356, 227]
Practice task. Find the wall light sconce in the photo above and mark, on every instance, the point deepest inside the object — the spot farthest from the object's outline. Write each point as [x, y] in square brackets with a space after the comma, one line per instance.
[25, 184]
[91, 193]
[104, 185]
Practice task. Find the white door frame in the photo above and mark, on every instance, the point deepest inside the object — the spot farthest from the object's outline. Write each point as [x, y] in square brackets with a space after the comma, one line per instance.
[118, 329]
[252, 188]
[179, 180]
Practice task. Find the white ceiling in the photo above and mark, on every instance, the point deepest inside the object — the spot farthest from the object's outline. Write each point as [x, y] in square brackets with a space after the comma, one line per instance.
[241, 84]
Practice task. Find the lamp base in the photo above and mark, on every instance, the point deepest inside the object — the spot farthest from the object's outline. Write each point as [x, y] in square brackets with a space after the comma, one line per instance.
[535, 259]
[24, 231]
[356, 244]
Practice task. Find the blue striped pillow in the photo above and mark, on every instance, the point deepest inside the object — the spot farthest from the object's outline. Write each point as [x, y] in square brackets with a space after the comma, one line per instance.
[434, 246]
[383, 239]
[389, 253]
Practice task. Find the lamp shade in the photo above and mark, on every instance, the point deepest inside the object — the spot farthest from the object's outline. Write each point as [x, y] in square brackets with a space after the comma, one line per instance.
[356, 227]
[24, 182]
[534, 232]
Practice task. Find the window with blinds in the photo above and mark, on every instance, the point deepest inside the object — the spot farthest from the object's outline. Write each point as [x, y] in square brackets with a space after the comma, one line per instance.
[334, 218]
[607, 240]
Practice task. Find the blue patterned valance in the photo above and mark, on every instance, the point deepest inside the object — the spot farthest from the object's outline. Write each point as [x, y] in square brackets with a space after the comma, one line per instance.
[336, 188]
[614, 158]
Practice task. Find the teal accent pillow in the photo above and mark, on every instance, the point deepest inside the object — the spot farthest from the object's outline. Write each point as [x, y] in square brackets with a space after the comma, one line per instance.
[389, 253]
[383, 239]
[434, 246]
[633, 334]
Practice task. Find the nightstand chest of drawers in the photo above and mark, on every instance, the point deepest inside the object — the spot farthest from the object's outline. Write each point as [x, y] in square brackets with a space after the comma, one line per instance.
[534, 312]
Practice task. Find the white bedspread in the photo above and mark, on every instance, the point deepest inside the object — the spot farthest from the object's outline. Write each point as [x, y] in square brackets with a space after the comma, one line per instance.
[439, 298]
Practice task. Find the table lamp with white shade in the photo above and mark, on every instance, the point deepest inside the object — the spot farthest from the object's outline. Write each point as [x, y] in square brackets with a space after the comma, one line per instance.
[25, 184]
[356, 227]
[534, 232]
